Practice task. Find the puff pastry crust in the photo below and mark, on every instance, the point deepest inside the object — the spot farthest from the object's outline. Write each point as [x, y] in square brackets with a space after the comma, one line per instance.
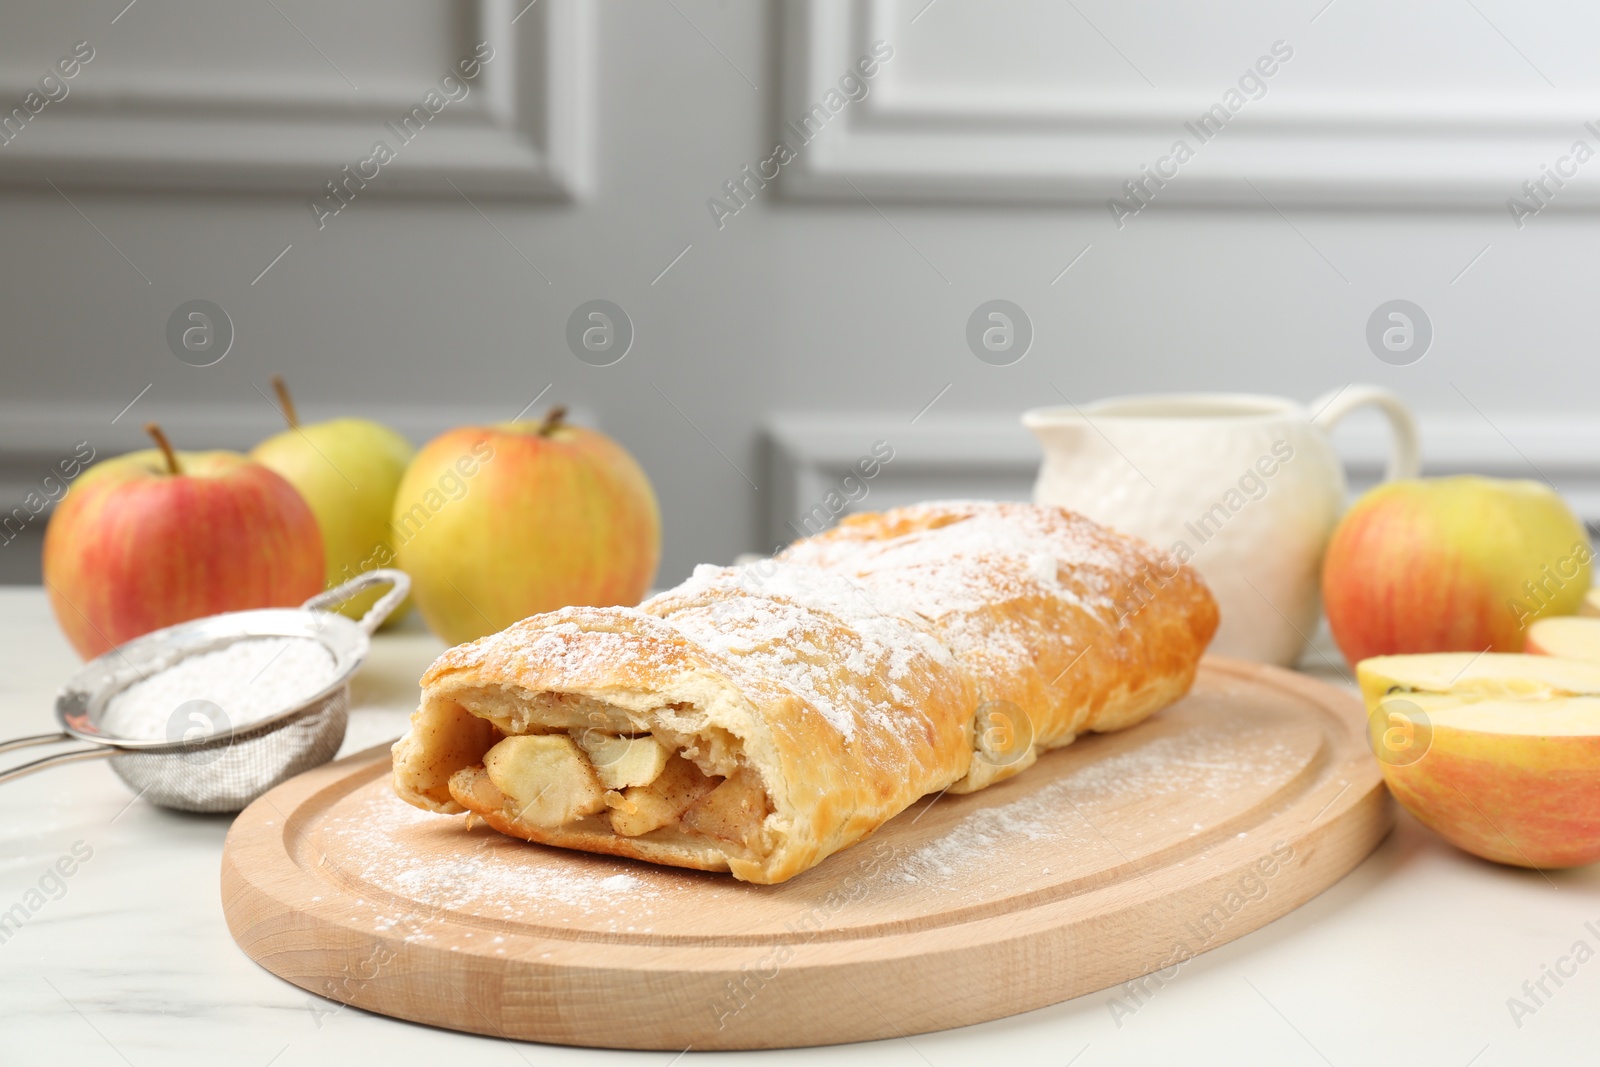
[757, 719]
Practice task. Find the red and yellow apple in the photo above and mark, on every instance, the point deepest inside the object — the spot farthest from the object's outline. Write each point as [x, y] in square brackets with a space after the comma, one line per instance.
[1498, 753]
[348, 470]
[159, 537]
[1458, 564]
[497, 523]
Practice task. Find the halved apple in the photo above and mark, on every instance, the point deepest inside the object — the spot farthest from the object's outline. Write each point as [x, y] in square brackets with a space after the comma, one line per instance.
[1570, 636]
[1498, 753]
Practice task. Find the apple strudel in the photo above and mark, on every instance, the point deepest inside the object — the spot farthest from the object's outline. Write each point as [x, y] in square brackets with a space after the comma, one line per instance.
[757, 719]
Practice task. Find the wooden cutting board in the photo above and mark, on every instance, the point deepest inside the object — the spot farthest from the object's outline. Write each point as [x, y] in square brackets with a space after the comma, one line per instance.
[1119, 856]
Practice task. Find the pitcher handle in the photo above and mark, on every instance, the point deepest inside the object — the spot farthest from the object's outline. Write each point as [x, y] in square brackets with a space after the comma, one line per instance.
[1405, 452]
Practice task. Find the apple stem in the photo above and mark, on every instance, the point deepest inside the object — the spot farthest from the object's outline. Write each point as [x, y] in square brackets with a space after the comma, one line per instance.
[285, 401]
[552, 420]
[166, 447]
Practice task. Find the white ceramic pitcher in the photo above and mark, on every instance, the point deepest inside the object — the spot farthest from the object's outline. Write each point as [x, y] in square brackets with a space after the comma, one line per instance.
[1245, 488]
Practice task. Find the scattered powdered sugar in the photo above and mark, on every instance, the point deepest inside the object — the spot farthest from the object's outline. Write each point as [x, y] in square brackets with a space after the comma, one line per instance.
[1085, 807]
[548, 639]
[919, 595]
[773, 628]
[250, 680]
[437, 865]
[990, 553]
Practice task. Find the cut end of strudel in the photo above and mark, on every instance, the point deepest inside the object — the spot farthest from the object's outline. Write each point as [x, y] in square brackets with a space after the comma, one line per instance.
[757, 719]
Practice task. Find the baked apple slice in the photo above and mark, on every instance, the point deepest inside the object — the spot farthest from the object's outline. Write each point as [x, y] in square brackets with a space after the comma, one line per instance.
[621, 762]
[642, 808]
[546, 778]
[732, 812]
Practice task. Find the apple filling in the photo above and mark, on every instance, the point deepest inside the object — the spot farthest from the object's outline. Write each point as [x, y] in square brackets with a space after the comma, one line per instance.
[631, 785]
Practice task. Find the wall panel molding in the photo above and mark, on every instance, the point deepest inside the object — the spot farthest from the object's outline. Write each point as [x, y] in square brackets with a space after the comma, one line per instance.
[1004, 140]
[525, 130]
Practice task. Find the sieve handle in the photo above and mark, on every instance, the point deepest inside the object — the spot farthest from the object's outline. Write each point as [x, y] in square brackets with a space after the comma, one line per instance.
[399, 582]
[35, 739]
[76, 755]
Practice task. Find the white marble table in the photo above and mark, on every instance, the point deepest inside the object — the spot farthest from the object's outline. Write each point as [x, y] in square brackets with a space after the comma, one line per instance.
[1410, 959]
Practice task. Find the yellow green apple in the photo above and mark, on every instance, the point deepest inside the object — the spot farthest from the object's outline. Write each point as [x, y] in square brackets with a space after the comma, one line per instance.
[348, 471]
[1499, 753]
[160, 537]
[1458, 564]
[496, 523]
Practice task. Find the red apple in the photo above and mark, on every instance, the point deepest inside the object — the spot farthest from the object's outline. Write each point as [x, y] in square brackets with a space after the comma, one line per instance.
[498, 523]
[1459, 564]
[159, 537]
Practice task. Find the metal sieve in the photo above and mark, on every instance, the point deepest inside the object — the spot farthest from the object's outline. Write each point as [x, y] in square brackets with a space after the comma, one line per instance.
[203, 763]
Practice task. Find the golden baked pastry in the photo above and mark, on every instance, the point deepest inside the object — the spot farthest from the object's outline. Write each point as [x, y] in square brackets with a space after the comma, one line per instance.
[758, 719]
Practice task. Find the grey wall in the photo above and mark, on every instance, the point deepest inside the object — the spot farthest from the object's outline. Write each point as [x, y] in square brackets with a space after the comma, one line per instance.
[416, 303]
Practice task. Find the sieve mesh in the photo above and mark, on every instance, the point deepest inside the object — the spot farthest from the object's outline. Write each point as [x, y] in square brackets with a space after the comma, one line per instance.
[225, 775]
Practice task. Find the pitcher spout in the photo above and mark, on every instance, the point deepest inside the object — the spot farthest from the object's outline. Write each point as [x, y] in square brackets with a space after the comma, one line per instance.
[1059, 429]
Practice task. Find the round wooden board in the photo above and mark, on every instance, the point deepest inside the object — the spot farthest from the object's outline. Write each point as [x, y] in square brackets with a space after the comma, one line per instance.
[1115, 857]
